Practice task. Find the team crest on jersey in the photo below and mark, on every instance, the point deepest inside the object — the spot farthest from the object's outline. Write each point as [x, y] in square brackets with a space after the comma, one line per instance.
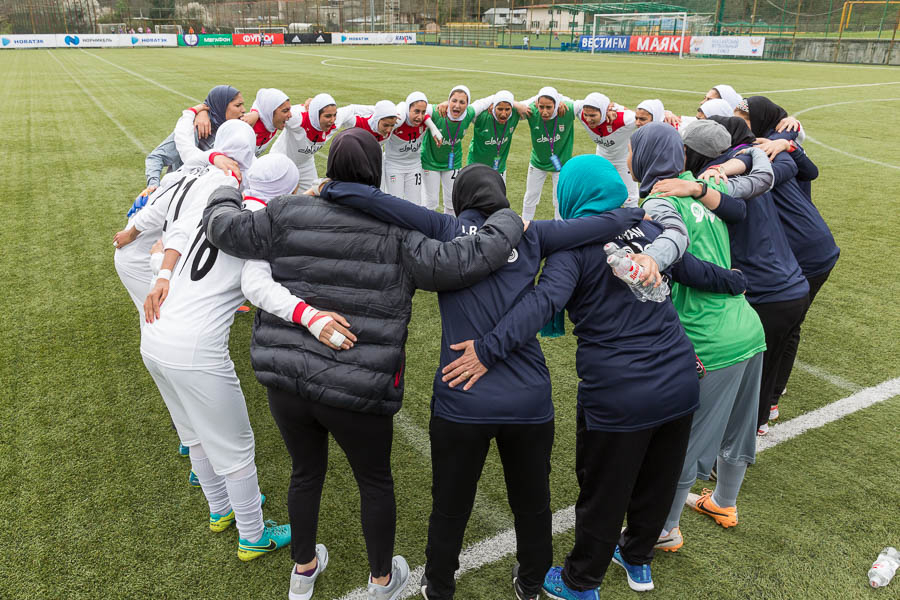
[421, 129]
[562, 127]
[513, 257]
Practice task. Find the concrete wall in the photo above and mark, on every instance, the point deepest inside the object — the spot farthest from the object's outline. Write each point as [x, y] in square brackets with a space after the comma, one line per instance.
[873, 52]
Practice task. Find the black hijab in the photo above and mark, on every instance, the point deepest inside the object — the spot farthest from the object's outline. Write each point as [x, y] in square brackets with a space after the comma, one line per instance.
[737, 127]
[764, 115]
[355, 157]
[481, 188]
[694, 161]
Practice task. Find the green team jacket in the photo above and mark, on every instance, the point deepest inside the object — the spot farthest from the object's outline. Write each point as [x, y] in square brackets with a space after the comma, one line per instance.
[724, 329]
[560, 130]
[438, 159]
[487, 135]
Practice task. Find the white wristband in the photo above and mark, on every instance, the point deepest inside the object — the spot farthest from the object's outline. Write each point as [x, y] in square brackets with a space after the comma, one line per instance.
[164, 274]
[156, 261]
[314, 325]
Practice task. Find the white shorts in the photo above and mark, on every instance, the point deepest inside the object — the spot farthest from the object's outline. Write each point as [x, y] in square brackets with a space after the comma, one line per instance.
[534, 185]
[621, 165]
[208, 408]
[434, 181]
[133, 266]
[308, 174]
[403, 185]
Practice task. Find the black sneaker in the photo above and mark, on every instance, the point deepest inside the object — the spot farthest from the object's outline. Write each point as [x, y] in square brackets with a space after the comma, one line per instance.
[517, 588]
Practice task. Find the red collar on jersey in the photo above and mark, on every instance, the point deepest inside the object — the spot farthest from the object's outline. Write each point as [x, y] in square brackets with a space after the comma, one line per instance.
[363, 123]
[409, 133]
[263, 135]
[605, 128]
[312, 133]
[247, 198]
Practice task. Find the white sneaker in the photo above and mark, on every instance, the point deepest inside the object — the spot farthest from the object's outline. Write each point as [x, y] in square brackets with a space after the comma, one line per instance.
[301, 585]
[395, 587]
[763, 429]
[773, 412]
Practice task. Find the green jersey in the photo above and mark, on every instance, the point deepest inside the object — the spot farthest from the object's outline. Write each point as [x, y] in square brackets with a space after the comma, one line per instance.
[724, 329]
[491, 140]
[438, 159]
[551, 137]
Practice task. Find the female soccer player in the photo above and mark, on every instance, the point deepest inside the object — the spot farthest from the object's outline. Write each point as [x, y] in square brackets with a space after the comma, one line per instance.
[309, 127]
[441, 163]
[493, 130]
[610, 126]
[381, 122]
[726, 93]
[551, 146]
[402, 163]
[649, 111]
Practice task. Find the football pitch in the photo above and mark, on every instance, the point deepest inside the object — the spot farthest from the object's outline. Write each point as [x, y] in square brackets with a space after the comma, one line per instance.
[93, 495]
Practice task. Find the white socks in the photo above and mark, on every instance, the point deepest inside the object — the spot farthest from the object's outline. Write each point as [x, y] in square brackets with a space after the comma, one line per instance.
[243, 490]
[213, 485]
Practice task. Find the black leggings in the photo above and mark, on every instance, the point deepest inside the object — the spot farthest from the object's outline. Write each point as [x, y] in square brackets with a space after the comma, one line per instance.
[793, 343]
[458, 451]
[619, 472]
[780, 321]
[366, 441]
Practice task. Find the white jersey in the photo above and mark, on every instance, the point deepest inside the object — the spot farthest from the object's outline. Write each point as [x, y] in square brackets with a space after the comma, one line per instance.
[300, 140]
[167, 203]
[205, 290]
[186, 210]
[611, 139]
[401, 149]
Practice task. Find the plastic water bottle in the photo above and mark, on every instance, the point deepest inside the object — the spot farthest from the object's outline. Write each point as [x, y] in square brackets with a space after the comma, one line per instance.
[630, 272]
[884, 567]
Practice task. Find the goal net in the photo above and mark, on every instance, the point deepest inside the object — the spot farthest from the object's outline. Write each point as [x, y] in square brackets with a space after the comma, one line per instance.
[674, 25]
[168, 29]
[277, 29]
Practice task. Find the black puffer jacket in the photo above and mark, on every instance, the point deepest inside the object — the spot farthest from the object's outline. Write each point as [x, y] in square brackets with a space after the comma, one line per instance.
[341, 260]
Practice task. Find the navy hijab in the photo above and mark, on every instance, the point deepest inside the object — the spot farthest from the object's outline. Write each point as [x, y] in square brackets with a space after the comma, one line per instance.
[657, 152]
[764, 115]
[217, 100]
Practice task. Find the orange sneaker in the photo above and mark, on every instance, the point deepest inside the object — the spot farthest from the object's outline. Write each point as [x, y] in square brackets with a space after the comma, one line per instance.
[726, 517]
[671, 542]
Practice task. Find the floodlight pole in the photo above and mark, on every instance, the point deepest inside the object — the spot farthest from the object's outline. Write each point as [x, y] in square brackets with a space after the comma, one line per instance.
[683, 27]
[594, 35]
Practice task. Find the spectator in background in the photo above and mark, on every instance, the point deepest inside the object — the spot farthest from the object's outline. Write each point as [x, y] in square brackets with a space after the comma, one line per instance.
[191, 30]
[203, 30]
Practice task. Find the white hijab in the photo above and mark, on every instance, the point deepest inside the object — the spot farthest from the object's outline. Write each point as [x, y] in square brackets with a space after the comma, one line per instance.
[716, 108]
[727, 93]
[598, 101]
[464, 90]
[383, 110]
[410, 100]
[655, 108]
[266, 102]
[271, 176]
[317, 104]
[503, 96]
[550, 92]
[236, 140]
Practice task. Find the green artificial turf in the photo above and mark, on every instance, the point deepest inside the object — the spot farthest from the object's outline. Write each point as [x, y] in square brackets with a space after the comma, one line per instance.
[94, 501]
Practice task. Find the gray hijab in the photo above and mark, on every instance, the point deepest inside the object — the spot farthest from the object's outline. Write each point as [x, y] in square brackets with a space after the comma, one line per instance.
[657, 152]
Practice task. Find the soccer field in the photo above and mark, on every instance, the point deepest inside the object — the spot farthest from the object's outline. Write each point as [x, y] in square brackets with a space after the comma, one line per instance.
[93, 496]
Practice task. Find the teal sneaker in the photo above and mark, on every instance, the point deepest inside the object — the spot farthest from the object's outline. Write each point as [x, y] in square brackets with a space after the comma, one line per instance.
[193, 480]
[219, 523]
[183, 450]
[555, 587]
[274, 537]
[639, 578]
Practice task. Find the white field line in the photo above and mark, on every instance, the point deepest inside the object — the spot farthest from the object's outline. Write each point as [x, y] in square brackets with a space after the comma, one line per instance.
[826, 376]
[139, 76]
[826, 87]
[418, 439]
[523, 75]
[115, 121]
[838, 150]
[503, 544]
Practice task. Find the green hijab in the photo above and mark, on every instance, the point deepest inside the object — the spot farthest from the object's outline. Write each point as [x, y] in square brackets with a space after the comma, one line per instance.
[588, 185]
